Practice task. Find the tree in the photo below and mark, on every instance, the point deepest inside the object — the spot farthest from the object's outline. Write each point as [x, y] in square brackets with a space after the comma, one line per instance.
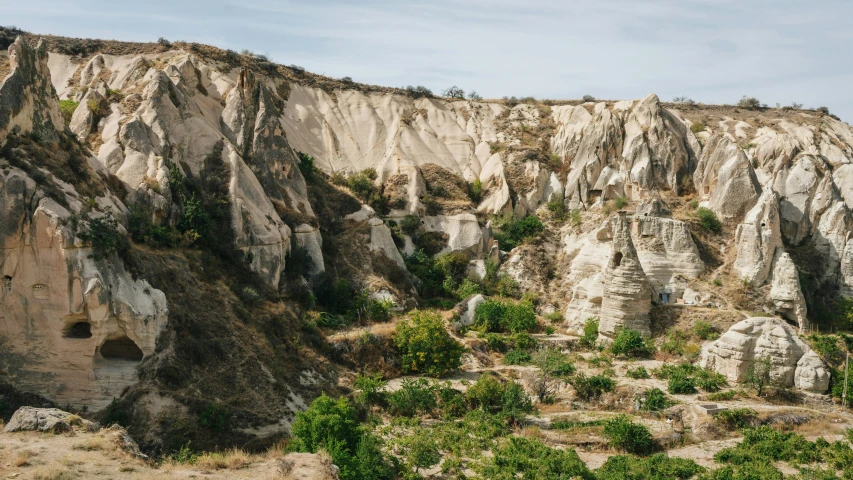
[422, 451]
[453, 92]
[426, 346]
[324, 420]
[630, 343]
[515, 403]
[474, 96]
[749, 102]
[758, 372]
[588, 98]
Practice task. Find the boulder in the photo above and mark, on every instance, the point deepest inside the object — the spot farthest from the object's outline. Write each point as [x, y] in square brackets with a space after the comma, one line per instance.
[382, 241]
[29, 419]
[466, 308]
[627, 297]
[759, 337]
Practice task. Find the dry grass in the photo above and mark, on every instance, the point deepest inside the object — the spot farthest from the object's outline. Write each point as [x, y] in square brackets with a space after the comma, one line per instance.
[232, 459]
[92, 444]
[52, 473]
[22, 459]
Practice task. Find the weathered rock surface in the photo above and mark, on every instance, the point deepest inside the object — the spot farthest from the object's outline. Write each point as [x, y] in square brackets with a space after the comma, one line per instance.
[757, 239]
[786, 295]
[466, 308]
[725, 179]
[29, 419]
[627, 293]
[793, 362]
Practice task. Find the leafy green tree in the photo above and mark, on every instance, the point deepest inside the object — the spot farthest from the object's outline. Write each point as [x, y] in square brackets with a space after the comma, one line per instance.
[486, 393]
[590, 332]
[426, 346]
[758, 372]
[421, 450]
[515, 403]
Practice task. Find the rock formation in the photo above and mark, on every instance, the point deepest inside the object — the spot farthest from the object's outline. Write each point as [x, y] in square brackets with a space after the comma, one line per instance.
[757, 239]
[627, 292]
[793, 362]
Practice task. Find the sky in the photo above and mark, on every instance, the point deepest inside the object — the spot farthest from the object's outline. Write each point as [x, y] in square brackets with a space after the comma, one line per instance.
[712, 51]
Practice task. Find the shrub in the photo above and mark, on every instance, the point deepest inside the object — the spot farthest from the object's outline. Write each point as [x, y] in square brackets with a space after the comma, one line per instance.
[628, 436]
[215, 417]
[557, 207]
[67, 107]
[332, 425]
[511, 232]
[736, 418]
[475, 190]
[590, 332]
[517, 357]
[710, 381]
[523, 340]
[414, 397]
[588, 388]
[474, 96]
[306, 166]
[620, 202]
[497, 316]
[654, 467]
[681, 384]
[515, 403]
[637, 373]
[588, 98]
[748, 102]
[698, 127]
[518, 457]
[654, 400]
[722, 396]
[371, 387]
[823, 110]
[347, 79]
[98, 108]
[426, 346]
[630, 343]
[705, 330]
[708, 220]
[510, 101]
[683, 99]
[104, 236]
[486, 393]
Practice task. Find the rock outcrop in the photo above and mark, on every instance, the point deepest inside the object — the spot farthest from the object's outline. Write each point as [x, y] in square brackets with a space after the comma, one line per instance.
[627, 293]
[725, 179]
[793, 362]
[786, 295]
[757, 239]
[49, 420]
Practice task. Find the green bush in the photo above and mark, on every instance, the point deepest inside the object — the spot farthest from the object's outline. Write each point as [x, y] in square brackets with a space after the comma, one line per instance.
[104, 236]
[511, 232]
[653, 400]
[659, 466]
[588, 388]
[333, 425]
[501, 316]
[680, 384]
[736, 418]
[414, 397]
[486, 393]
[620, 202]
[371, 387]
[629, 343]
[426, 346]
[590, 333]
[552, 362]
[722, 396]
[557, 207]
[67, 107]
[637, 373]
[515, 403]
[306, 166]
[421, 449]
[528, 459]
[215, 417]
[708, 220]
[523, 340]
[697, 127]
[705, 330]
[475, 190]
[517, 357]
[628, 436]
[758, 372]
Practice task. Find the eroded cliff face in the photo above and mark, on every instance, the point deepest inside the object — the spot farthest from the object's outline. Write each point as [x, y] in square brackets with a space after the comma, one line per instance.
[76, 328]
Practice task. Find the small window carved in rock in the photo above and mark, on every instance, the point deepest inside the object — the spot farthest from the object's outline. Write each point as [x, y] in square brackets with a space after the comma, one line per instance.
[41, 291]
[617, 259]
[7, 284]
[78, 330]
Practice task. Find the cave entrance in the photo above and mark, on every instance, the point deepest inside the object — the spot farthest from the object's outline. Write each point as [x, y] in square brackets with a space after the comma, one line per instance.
[78, 330]
[617, 259]
[121, 349]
